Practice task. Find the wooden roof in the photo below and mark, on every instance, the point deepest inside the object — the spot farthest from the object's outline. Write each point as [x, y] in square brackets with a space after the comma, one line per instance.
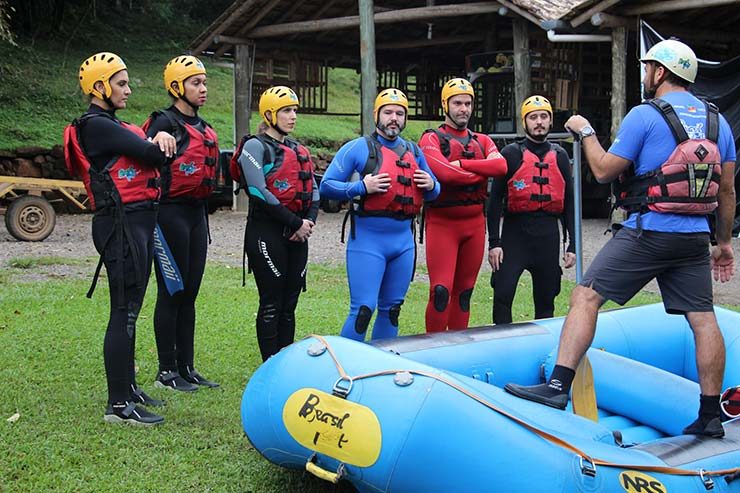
[329, 29]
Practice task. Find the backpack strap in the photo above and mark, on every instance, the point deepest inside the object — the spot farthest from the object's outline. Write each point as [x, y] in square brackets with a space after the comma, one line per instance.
[475, 138]
[671, 118]
[372, 164]
[712, 132]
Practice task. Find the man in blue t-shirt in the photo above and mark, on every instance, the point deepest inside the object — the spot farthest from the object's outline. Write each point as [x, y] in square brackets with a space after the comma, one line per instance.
[666, 238]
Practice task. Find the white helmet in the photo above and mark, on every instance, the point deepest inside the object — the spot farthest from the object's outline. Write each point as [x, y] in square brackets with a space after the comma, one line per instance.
[675, 56]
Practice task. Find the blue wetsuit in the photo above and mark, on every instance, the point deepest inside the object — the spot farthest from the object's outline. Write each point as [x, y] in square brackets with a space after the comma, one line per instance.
[381, 252]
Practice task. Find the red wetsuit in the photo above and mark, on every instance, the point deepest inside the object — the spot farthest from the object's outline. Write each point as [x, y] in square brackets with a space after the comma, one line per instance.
[455, 224]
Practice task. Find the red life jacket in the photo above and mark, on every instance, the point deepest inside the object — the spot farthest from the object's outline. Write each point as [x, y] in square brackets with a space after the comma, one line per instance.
[403, 199]
[687, 182]
[192, 175]
[455, 148]
[122, 181]
[536, 185]
[289, 177]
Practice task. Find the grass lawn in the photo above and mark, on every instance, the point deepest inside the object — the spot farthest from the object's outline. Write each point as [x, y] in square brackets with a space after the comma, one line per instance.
[52, 372]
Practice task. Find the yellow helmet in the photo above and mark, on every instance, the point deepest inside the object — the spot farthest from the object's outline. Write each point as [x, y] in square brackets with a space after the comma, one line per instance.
[274, 99]
[453, 87]
[99, 67]
[180, 68]
[676, 57]
[390, 96]
[535, 103]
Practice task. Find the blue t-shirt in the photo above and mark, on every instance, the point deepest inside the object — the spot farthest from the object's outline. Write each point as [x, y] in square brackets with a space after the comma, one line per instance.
[646, 139]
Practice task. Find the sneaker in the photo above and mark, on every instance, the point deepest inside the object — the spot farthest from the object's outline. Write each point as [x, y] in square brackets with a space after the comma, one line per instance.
[129, 412]
[140, 397]
[194, 377]
[173, 381]
[713, 428]
[538, 393]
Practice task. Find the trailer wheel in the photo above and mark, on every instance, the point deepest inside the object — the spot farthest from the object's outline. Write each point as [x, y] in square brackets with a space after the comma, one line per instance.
[30, 218]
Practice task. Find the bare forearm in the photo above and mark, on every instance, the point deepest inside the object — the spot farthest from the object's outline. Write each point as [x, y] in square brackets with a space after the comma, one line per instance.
[725, 215]
[595, 153]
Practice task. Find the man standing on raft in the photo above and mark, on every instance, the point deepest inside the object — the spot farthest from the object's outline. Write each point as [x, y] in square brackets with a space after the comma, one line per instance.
[669, 154]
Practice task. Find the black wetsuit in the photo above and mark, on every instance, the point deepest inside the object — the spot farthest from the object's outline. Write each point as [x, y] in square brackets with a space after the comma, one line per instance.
[278, 264]
[530, 241]
[125, 243]
[184, 225]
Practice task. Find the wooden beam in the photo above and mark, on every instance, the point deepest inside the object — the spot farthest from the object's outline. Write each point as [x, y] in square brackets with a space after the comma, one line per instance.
[619, 78]
[395, 16]
[289, 13]
[368, 69]
[261, 13]
[522, 76]
[222, 26]
[603, 20]
[319, 13]
[599, 7]
[534, 20]
[243, 72]
[420, 43]
[673, 5]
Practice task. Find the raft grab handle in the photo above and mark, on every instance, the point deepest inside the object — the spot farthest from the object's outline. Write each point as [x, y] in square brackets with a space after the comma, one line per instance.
[588, 468]
[340, 389]
[321, 473]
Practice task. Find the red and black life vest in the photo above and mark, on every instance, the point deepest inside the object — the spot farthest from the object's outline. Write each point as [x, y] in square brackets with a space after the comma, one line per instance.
[687, 182]
[289, 177]
[403, 199]
[455, 148]
[122, 180]
[192, 175]
[537, 186]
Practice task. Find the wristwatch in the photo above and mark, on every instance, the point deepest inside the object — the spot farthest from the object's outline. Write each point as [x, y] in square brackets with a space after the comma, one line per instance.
[587, 131]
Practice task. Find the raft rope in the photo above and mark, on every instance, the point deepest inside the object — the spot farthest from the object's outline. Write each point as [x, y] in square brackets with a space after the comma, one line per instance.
[590, 461]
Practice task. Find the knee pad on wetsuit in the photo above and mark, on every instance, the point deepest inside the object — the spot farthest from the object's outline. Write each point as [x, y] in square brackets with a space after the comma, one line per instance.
[363, 319]
[132, 314]
[268, 313]
[441, 298]
[465, 299]
[393, 314]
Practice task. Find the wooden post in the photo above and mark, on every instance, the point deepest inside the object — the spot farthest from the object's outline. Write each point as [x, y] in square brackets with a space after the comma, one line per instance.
[522, 79]
[619, 78]
[243, 64]
[369, 71]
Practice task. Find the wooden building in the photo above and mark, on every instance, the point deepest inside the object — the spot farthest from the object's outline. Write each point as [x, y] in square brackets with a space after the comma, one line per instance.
[582, 54]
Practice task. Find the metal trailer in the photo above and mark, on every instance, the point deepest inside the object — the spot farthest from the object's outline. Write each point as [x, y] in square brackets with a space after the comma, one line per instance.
[29, 215]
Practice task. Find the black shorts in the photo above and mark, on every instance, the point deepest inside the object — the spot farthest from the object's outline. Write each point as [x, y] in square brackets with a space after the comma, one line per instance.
[679, 262]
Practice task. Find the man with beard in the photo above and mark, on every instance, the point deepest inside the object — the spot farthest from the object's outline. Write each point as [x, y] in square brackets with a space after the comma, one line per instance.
[394, 181]
[536, 195]
[675, 159]
[454, 223]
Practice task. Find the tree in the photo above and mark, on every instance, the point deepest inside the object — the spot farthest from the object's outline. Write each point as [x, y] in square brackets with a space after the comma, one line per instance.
[5, 33]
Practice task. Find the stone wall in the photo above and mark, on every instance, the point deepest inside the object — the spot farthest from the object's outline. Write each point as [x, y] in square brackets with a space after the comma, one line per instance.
[34, 162]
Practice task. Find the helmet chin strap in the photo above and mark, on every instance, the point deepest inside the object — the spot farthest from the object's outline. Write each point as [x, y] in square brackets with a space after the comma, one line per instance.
[535, 138]
[457, 125]
[279, 130]
[194, 107]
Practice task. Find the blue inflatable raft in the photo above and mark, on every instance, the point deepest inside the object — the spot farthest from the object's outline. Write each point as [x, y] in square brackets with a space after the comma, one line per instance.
[428, 413]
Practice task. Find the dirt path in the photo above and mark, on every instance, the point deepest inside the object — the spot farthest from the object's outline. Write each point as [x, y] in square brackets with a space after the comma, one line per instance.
[71, 239]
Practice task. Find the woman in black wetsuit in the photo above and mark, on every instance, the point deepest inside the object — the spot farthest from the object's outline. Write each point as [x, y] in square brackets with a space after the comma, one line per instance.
[119, 168]
[277, 173]
[186, 184]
